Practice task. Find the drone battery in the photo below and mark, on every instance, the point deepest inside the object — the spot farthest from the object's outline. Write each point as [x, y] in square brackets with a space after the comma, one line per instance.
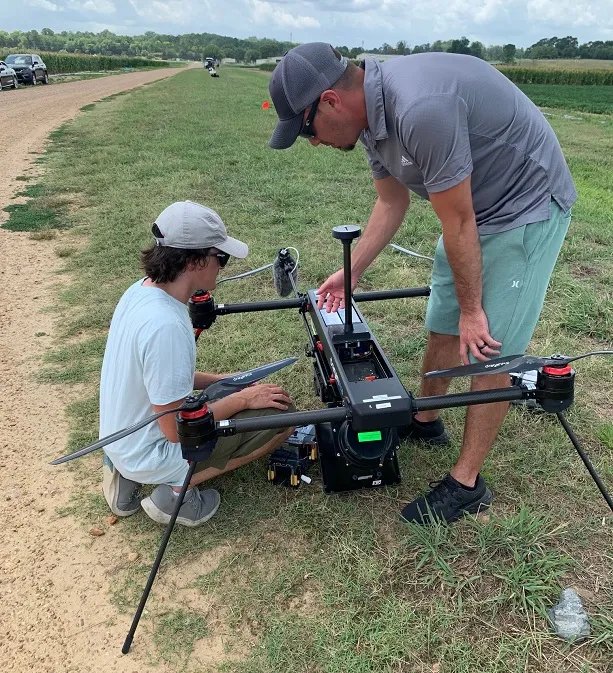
[352, 460]
[288, 463]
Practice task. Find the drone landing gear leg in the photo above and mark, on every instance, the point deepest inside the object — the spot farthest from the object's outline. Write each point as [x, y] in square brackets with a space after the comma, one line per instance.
[156, 564]
[584, 458]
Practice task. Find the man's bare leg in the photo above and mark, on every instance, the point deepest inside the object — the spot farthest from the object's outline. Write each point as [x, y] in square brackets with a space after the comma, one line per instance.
[482, 421]
[481, 428]
[235, 463]
[442, 351]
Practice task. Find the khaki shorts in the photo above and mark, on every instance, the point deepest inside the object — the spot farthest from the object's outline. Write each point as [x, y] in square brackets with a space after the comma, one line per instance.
[240, 445]
[516, 268]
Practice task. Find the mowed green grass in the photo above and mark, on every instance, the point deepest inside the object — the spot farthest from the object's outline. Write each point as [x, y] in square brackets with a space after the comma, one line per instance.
[303, 581]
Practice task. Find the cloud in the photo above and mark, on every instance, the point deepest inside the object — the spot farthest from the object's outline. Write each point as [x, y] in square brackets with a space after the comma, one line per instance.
[345, 6]
[488, 11]
[264, 12]
[570, 13]
[178, 12]
[96, 6]
[44, 4]
[340, 22]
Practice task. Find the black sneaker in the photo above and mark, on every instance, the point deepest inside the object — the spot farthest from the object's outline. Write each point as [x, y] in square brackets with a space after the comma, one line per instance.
[432, 432]
[448, 501]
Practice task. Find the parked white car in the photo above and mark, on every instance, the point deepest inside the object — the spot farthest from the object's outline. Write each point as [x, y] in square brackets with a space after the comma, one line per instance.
[8, 77]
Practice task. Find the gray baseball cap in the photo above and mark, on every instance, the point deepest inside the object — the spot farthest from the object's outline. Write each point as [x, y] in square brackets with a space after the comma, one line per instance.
[190, 226]
[301, 76]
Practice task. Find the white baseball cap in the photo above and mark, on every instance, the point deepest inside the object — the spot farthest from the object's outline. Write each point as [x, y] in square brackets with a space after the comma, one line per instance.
[190, 226]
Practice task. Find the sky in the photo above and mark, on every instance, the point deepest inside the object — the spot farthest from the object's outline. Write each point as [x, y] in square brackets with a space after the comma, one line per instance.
[340, 22]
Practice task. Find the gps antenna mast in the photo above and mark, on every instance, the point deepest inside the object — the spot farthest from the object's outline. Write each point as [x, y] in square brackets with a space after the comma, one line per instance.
[346, 233]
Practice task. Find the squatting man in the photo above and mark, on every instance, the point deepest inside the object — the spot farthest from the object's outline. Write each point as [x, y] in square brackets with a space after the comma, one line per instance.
[455, 131]
[150, 366]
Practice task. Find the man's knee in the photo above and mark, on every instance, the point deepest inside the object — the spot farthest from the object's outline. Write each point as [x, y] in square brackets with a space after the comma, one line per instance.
[490, 382]
[441, 340]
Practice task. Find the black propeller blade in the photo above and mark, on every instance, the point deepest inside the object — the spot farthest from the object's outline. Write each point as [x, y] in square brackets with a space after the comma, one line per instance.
[511, 363]
[215, 391]
[239, 381]
[120, 434]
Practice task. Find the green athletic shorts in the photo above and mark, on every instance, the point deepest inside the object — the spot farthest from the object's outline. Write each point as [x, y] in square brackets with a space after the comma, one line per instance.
[237, 446]
[517, 266]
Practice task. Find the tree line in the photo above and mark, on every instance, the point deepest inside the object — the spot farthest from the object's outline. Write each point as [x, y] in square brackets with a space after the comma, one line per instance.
[495, 52]
[569, 47]
[548, 48]
[195, 46]
[190, 46]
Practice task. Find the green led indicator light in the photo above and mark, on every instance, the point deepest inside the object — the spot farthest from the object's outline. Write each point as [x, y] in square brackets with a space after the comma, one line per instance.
[373, 436]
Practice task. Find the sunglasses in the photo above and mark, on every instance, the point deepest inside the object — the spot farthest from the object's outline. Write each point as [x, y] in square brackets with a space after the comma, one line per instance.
[222, 258]
[307, 128]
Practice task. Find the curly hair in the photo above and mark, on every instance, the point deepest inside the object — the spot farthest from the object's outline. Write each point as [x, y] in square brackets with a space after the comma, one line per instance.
[164, 265]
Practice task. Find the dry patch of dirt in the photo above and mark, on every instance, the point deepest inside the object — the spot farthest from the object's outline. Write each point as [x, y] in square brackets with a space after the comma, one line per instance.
[55, 612]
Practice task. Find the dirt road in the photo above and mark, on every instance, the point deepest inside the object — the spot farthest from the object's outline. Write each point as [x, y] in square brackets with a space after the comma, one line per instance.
[55, 611]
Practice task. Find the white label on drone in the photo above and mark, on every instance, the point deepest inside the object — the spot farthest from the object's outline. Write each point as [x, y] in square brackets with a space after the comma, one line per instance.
[385, 405]
[379, 398]
[224, 424]
[377, 482]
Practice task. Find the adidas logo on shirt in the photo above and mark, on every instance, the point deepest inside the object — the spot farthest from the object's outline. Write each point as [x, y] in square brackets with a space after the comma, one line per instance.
[405, 162]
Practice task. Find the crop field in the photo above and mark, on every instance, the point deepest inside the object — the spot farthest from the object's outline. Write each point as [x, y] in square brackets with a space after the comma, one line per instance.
[302, 581]
[566, 63]
[72, 63]
[557, 76]
[595, 99]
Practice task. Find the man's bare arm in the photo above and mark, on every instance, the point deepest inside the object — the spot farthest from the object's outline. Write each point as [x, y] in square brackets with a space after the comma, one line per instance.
[385, 220]
[454, 208]
[387, 215]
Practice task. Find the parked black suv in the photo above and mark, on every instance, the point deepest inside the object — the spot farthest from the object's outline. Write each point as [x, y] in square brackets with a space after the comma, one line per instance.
[30, 68]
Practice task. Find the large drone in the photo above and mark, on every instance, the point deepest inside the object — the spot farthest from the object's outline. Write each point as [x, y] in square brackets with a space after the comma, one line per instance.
[357, 437]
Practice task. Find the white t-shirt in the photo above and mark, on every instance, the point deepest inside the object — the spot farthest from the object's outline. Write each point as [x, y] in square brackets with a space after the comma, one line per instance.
[150, 358]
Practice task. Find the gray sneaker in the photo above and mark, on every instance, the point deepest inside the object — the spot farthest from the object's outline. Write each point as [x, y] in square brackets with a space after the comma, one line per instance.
[197, 508]
[122, 495]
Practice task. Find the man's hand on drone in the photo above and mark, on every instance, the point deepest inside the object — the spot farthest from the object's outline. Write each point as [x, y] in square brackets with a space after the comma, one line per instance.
[332, 292]
[475, 338]
[264, 396]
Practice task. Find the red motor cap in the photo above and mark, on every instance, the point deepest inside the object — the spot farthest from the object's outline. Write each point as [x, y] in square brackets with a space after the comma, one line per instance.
[191, 415]
[201, 297]
[557, 371]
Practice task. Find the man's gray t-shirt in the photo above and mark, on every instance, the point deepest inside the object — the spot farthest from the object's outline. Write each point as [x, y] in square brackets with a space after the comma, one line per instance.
[150, 358]
[436, 118]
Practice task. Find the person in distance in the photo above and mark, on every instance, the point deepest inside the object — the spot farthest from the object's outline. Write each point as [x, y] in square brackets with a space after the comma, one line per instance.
[455, 131]
[150, 365]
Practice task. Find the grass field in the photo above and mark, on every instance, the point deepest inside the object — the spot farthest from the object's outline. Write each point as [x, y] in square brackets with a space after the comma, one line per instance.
[304, 581]
[596, 99]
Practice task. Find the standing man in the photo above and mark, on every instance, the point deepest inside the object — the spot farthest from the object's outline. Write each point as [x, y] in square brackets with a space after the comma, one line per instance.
[457, 132]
